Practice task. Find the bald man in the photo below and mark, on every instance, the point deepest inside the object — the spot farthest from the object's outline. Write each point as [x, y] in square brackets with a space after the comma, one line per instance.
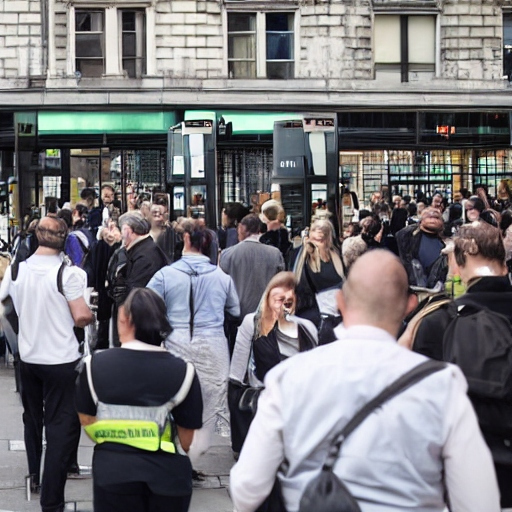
[406, 454]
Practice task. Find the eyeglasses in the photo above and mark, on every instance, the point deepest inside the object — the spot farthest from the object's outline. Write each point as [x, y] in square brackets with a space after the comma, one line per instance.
[469, 208]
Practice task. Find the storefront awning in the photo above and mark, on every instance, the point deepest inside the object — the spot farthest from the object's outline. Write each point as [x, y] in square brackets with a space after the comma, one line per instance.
[76, 123]
[245, 122]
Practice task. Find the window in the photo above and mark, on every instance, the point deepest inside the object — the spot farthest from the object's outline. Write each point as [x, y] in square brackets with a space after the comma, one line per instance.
[133, 35]
[242, 45]
[404, 46]
[89, 43]
[507, 46]
[279, 45]
[109, 42]
[261, 45]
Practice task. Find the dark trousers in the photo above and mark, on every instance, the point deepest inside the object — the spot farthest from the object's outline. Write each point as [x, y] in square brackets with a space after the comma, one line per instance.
[136, 497]
[48, 400]
[504, 476]
[103, 335]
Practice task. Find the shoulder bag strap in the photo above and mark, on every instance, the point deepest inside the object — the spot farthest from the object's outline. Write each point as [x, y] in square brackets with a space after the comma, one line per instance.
[398, 386]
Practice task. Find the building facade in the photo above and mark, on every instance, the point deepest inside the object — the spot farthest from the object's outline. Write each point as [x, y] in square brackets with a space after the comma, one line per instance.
[419, 90]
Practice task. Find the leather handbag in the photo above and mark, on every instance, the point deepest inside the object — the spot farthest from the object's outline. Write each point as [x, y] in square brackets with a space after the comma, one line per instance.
[326, 492]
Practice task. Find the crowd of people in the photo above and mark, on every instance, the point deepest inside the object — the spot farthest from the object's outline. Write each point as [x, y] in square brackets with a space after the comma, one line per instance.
[234, 332]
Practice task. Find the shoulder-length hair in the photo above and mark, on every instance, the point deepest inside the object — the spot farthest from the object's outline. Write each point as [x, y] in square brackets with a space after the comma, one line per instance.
[310, 253]
[148, 313]
[264, 316]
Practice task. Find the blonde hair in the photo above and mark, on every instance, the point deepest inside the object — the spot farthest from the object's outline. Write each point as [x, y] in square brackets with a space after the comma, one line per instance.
[311, 254]
[264, 316]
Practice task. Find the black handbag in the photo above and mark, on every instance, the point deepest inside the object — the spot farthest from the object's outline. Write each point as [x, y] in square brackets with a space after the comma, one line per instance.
[326, 492]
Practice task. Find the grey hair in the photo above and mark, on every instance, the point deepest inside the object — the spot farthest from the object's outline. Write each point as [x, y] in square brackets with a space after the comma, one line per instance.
[136, 221]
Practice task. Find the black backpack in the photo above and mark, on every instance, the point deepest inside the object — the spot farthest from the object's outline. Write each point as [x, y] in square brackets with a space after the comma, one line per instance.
[479, 341]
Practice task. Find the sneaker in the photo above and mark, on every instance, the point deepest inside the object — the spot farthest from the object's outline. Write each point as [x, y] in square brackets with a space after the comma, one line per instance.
[198, 476]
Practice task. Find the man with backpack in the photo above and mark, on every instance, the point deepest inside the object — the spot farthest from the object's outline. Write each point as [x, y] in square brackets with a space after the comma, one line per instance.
[415, 450]
[48, 298]
[475, 332]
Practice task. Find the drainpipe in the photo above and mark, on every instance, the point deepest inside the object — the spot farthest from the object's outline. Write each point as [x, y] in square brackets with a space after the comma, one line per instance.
[44, 36]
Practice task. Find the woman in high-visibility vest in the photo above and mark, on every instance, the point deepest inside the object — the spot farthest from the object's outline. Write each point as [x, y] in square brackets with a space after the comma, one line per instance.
[141, 405]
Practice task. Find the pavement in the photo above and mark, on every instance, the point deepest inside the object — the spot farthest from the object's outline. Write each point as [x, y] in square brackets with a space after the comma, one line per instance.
[210, 496]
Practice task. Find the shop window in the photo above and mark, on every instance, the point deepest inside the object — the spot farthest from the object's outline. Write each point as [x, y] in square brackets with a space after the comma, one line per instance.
[133, 37]
[507, 46]
[261, 45]
[90, 43]
[405, 47]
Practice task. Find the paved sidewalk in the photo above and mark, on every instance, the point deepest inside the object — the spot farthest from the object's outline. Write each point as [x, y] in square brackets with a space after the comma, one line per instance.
[211, 496]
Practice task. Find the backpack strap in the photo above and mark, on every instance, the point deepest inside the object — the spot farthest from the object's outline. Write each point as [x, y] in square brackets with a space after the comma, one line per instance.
[191, 305]
[15, 267]
[404, 382]
[60, 277]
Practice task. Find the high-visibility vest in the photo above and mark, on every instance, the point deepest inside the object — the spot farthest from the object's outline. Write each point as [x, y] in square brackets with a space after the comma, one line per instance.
[147, 428]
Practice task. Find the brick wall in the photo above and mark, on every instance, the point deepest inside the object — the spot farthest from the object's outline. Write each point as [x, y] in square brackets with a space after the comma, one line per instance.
[189, 42]
[471, 40]
[335, 40]
[21, 54]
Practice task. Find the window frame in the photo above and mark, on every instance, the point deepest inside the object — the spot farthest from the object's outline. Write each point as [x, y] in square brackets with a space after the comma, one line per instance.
[140, 25]
[405, 63]
[241, 33]
[112, 58]
[102, 39]
[261, 37]
[506, 14]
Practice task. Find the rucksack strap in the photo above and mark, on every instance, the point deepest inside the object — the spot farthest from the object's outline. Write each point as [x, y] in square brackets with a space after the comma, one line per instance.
[15, 267]
[398, 386]
[60, 277]
[191, 305]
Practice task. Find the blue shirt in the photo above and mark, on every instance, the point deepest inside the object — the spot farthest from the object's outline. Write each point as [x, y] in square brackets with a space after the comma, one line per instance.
[214, 292]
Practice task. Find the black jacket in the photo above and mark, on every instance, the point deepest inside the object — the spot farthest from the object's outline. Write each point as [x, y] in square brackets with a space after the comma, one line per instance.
[266, 350]
[409, 240]
[142, 262]
[494, 416]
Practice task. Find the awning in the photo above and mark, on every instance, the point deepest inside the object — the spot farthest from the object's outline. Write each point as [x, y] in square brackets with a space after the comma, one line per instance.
[76, 123]
[245, 122]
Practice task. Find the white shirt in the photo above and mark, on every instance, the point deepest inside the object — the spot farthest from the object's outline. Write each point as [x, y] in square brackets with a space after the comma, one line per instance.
[395, 459]
[45, 323]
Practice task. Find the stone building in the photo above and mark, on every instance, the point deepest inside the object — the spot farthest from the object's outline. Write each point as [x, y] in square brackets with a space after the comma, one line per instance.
[416, 92]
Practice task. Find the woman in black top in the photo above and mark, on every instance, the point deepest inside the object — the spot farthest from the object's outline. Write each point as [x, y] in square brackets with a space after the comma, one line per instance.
[137, 375]
[319, 270]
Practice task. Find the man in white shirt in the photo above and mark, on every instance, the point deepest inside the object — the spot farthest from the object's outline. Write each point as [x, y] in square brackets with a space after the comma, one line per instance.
[49, 352]
[406, 454]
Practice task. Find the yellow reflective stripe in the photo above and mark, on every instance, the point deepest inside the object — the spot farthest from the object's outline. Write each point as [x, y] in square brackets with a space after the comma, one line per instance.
[137, 433]
[167, 446]
[166, 443]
